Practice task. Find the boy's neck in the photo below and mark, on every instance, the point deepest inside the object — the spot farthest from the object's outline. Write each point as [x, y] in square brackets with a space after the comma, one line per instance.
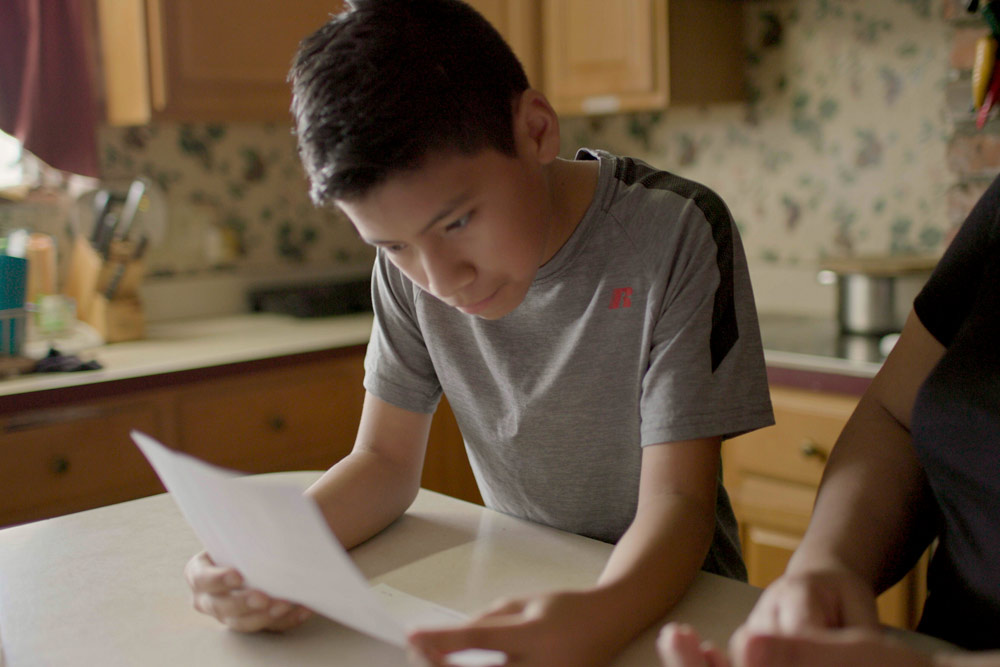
[572, 184]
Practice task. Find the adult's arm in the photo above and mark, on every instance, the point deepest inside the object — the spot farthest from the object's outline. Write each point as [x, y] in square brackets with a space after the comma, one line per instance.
[873, 494]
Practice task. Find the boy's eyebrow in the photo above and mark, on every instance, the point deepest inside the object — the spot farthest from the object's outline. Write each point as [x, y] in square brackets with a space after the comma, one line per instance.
[446, 210]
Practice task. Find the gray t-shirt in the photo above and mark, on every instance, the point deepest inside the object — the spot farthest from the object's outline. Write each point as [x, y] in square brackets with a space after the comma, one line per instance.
[640, 330]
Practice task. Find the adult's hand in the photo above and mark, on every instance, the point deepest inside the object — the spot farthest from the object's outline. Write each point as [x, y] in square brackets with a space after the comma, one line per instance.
[797, 602]
[828, 648]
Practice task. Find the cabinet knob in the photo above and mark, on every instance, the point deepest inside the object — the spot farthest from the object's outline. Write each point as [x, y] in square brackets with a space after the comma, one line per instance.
[810, 450]
[277, 423]
[60, 466]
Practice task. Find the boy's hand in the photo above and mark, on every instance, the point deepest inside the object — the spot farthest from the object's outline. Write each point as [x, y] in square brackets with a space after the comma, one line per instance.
[548, 630]
[681, 646]
[218, 591]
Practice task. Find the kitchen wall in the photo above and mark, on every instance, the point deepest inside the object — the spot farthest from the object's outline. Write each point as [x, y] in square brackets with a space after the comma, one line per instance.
[839, 150]
[846, 145]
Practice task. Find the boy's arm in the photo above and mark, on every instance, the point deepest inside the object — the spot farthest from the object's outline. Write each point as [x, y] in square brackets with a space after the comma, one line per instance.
[650, 568]
[657, 558]
[373, 485]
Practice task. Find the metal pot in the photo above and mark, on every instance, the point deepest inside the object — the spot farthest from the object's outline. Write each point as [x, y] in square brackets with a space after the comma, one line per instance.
[866, 304]
[867, 291]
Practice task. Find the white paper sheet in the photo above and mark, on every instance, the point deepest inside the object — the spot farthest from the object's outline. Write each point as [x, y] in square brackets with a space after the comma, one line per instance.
[278, 540]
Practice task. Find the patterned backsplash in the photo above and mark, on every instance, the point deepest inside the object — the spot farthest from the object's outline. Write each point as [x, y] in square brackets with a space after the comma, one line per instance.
[236, 197]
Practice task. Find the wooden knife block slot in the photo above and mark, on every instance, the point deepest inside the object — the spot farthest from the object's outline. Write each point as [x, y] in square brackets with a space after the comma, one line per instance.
[106, 290]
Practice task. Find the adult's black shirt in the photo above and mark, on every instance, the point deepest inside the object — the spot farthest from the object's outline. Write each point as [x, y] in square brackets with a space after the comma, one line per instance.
[956, 432]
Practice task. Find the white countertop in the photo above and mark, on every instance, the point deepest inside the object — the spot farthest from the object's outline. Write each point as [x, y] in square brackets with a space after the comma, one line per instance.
[105, 587]
[200, 343]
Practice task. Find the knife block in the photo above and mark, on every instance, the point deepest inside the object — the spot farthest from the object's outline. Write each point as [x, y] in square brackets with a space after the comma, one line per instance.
[106, 290]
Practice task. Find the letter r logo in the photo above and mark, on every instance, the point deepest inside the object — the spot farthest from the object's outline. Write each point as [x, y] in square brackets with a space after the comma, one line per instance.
[621, 298]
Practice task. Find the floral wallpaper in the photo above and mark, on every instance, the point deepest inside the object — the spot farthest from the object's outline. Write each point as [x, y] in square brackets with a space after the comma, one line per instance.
[840, 148]
[235, 197]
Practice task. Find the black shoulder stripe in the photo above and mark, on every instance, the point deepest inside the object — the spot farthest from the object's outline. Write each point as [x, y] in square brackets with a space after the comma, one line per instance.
[725, 330]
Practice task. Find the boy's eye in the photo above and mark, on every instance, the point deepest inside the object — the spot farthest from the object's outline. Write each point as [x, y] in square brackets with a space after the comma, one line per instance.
[394, 248]
[458, 224]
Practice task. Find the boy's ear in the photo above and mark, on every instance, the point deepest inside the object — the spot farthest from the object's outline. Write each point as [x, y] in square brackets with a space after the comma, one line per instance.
[536, 124]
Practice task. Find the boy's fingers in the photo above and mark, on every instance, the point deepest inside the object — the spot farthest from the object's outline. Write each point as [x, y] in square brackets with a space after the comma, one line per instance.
[680, 646]
[293, 617]
[437, 643]
[236, 604]
[204, 576]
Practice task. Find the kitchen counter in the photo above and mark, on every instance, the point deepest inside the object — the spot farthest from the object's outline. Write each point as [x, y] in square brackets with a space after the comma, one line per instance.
[811, 353]
[798, 349]
[104, 586]
[184, 345]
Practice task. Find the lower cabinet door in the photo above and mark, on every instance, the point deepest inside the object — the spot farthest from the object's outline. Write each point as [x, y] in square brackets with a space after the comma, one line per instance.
[303, 417]
[72, 458]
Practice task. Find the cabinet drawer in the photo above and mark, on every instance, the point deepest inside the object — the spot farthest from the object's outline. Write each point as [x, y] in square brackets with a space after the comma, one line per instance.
[301, 418]
[807, 424]
[73, 458]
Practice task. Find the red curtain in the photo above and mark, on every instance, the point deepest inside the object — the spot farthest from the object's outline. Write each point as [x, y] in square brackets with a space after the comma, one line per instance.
[47, 99]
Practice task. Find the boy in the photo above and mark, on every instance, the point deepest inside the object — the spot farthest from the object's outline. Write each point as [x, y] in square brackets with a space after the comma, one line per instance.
[591, 322]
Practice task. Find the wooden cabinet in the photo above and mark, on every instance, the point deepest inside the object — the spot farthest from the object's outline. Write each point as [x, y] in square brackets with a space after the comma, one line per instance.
[519, 21]
[602, 56]
[772, 476]
[74, 457]
[227, 60]
[72, 451]
[224, 60]
[300, 418]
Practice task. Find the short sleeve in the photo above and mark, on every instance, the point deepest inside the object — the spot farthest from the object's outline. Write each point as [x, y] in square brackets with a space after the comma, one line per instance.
[706, 374]
[398, 367]
[947, 298]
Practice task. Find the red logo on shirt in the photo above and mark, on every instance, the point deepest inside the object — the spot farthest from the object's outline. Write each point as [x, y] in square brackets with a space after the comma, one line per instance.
[621, 298]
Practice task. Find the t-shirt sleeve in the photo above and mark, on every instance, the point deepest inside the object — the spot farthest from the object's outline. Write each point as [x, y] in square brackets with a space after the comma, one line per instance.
[945, 301]
[706, 375]
[398, 367]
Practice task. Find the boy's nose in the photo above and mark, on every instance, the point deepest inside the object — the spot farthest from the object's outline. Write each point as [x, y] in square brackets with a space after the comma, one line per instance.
[446, 277]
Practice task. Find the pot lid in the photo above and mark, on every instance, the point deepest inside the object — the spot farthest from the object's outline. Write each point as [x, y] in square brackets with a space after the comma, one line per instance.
[880, 265]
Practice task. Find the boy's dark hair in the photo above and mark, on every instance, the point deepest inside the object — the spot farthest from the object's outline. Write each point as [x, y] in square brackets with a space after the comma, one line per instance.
[387, 82]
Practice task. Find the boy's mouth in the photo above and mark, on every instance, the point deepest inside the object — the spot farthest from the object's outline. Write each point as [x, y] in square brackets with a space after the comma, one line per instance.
[478, 306]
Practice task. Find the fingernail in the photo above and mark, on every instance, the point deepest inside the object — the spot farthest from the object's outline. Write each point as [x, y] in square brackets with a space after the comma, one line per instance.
[232, 579]
[256, 601]
[278, 609]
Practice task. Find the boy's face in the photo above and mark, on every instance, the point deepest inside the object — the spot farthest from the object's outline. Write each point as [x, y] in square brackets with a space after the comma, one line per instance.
[470, 230]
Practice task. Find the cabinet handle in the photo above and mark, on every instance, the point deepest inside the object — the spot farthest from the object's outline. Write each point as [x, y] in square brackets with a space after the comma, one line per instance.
[277, 423]
[60, 466]
[810, 450]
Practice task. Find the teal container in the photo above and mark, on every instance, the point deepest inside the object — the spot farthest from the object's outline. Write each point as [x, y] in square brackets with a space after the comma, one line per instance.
[13, 286]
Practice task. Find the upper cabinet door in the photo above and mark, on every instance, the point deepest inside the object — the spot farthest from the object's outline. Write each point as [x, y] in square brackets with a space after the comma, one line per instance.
[519, 21]
[222, 60]
[603, 56]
